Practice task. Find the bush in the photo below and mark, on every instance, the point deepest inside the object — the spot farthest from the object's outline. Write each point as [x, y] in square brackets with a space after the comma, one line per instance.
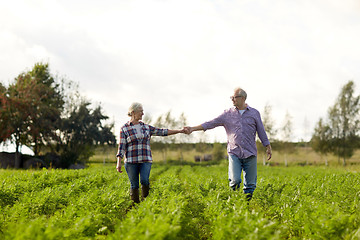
[218, 151]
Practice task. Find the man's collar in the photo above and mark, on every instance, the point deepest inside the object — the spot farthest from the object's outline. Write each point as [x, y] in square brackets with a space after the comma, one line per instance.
[247, 108]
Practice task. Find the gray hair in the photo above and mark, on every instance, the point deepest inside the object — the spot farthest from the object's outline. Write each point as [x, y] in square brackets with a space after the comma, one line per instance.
[241, 92]
[134, 107]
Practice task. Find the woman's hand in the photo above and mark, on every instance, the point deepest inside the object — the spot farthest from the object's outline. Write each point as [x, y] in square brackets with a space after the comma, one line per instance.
[187, 130]
[118, 168]
[118, 165]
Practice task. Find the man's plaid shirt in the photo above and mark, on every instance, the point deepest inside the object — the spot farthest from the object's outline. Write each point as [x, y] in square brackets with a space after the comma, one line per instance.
[136, 147]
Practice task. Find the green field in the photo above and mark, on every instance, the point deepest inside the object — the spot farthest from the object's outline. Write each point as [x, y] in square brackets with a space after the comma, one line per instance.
[299, 157]
[186, 201]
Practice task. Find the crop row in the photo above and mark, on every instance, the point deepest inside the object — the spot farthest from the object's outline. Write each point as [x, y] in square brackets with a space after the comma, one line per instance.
[185, 202]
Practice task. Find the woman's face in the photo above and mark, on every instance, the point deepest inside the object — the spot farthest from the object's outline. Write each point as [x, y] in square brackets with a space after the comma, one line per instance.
[138, 114]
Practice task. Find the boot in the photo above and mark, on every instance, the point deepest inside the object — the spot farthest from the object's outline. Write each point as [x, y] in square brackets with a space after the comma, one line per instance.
[134, 195]
[248, 196]
[145, 191]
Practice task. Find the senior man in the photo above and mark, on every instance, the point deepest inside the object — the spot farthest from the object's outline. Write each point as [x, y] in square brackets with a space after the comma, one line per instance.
[241, 123]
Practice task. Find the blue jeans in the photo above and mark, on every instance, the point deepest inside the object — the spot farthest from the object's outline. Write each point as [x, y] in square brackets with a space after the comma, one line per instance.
[249, 168]
[133, 171]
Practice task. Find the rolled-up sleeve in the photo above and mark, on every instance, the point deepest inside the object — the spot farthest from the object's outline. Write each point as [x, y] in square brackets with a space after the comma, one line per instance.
[158, 131]
[122, 146]
[216, 122]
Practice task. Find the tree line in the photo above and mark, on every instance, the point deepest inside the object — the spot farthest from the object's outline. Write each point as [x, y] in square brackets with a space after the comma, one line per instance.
[48, 113]
[339, 133]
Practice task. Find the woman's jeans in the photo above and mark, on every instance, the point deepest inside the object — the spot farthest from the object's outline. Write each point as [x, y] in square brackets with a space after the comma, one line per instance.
[133, 171]
[249, 167]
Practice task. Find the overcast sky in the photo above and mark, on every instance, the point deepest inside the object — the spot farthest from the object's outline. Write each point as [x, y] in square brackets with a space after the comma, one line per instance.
[188, 56]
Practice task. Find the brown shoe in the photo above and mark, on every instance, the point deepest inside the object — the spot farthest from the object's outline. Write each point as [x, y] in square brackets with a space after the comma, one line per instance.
[145, 191]
[134, 195]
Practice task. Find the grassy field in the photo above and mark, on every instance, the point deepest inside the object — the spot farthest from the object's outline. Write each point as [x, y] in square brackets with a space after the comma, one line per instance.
[188, 200]
[300, 157]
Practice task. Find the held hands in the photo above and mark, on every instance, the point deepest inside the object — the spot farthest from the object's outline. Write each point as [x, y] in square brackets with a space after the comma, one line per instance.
[187, 130]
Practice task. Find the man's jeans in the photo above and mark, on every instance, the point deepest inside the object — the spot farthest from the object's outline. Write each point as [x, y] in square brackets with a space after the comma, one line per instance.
[134, 169]
[249, 167]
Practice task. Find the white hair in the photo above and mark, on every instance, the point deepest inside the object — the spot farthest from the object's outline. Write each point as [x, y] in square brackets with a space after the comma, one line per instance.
[241, 92]
[134, 107]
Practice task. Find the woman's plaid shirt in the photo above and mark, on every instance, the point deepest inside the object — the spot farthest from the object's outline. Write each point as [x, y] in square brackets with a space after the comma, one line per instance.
[136, 147]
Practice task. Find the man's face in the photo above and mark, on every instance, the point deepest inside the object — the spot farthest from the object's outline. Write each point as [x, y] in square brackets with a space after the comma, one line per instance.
[237, 99]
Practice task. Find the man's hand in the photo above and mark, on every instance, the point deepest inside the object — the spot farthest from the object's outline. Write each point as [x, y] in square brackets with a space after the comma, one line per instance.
[268, 152]
[187, 130]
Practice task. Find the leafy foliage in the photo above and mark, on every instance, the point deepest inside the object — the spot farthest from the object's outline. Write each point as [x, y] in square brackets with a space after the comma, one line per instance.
[31, 108]
[340, 134]
[45, 114]
[81, 131]
[38, 111]
[321, 138]
[268, 122]
[185, 202]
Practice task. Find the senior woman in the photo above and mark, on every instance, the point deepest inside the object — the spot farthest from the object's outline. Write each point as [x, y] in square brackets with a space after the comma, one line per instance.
[135, 148]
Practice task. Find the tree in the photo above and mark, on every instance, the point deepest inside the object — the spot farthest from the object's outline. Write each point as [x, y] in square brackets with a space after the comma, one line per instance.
[181, 138]
[81, 131]
[45, 114]
[147, 118]
[321, 139]
[168, 121]
[218, 151]
[31, 108]
[340, 134]
[32, 112]
[286, 130]
[268, 122]
[164, 121]
[81, 127]
[344, 122]
[17, 102]
[5, 132]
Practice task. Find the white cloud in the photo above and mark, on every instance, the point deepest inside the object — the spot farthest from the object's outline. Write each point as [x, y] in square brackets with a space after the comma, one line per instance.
[189, 55]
